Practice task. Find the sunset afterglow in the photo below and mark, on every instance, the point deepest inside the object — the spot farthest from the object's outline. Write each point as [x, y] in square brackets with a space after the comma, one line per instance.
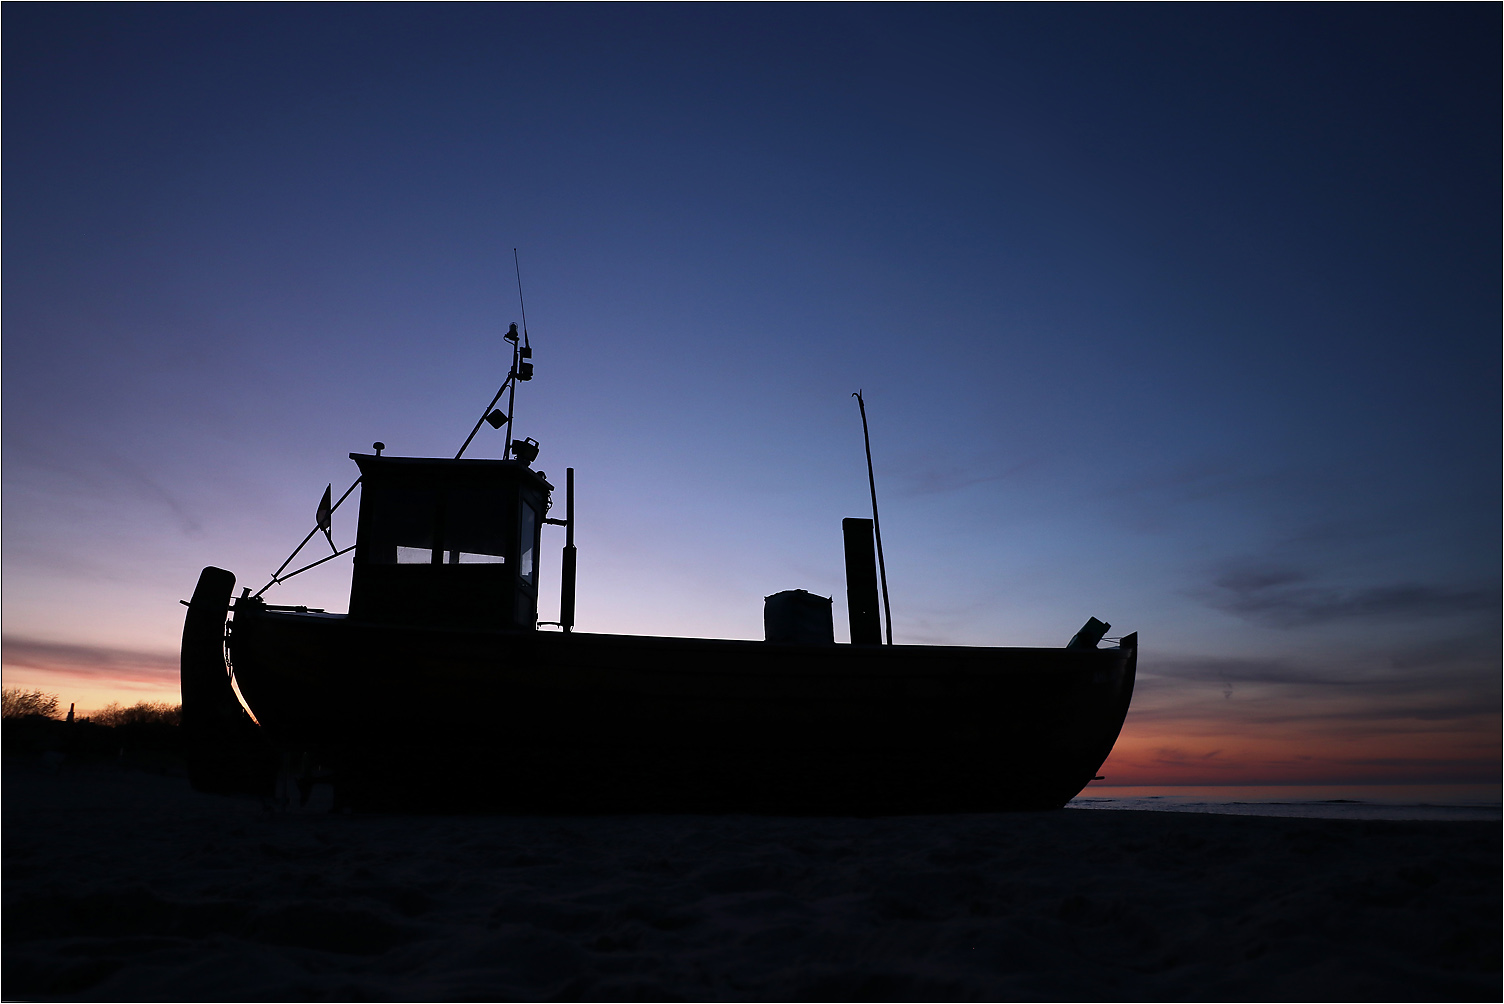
[1186, 318]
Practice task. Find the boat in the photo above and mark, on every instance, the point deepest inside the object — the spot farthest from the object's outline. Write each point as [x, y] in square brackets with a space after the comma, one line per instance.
[439, 690]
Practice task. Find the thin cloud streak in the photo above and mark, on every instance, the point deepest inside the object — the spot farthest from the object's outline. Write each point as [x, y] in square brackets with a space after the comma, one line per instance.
[1284, 597]
[92, 662]
[1454, 685]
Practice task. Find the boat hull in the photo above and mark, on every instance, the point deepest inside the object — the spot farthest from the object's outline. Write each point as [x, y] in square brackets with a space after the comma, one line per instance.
[442, 719]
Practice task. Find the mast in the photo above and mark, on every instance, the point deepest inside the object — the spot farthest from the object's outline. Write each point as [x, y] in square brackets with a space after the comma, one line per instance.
[511, 401]
[522, 369]
[877, 527]
[493, 414]
[525, 352]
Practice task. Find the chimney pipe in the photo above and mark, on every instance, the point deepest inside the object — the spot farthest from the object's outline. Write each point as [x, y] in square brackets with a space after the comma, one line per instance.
[566, 578]
[861, 582]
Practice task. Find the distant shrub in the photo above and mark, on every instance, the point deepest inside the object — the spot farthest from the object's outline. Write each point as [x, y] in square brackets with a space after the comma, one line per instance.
[141, 713]
[18, 703]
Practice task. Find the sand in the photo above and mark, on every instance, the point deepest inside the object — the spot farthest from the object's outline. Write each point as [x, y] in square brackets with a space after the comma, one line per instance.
[121, 884]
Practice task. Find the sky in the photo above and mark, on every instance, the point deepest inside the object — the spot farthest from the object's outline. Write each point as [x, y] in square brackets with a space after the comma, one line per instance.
[1184, 317]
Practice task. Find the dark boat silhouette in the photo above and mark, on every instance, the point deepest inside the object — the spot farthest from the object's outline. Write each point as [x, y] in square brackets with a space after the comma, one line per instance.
[440, 691]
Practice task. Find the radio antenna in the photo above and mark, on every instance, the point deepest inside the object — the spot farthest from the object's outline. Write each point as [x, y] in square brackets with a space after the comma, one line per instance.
[525, 352]
[517, 264]
[522, 369]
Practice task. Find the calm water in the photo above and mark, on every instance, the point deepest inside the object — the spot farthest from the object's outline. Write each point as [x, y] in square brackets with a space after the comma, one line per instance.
[1360, 801]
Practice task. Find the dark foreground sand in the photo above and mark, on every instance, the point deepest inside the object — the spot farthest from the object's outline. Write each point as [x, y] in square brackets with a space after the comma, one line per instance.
[123, 885]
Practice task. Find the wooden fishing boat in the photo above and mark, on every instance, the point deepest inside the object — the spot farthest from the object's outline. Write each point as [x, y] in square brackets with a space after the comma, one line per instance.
[439, 690]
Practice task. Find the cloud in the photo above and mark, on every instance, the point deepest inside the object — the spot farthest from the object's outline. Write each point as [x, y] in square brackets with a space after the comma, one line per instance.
[1176, 755]
[1360, 671]
[1155, 502]
[937, 473]
[1196, 480]
[95, 662]
[1225, 670]
[97, 480]
[1475, 648]
[1452, 682]
[145, 488]
[1285, 597]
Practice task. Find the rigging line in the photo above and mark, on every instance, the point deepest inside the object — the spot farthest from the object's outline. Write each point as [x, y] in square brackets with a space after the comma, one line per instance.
[328, 557]
[328, 530]
[480, 421]
[343, 497]
[877, 527]
[306, 539]
[291, 556]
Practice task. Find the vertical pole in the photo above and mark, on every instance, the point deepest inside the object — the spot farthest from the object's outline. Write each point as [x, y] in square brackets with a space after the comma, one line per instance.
[877, 527]
[516, 348]
[566, 578]
[506, 450]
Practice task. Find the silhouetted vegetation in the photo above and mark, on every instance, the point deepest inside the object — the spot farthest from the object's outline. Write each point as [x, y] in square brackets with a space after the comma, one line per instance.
[145, 734]
[140, 713]
[18, 703]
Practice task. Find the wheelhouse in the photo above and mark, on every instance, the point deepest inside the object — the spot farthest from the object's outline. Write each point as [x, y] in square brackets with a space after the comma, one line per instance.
[450, 543]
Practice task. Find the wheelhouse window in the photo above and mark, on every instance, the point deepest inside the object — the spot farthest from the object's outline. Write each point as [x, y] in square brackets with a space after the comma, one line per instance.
[476, 558]
[403, 528]
[425, 526]
[474, 532]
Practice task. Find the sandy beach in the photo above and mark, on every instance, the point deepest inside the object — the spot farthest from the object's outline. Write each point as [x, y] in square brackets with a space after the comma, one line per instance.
[122, 884]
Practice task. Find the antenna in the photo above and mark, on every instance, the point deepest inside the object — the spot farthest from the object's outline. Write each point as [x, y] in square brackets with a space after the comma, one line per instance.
[517, 264]
[522, 369]
[877, 527]
[518, 354]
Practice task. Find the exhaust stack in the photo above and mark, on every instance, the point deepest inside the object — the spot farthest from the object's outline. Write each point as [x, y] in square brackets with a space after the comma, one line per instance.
[566, 577]
[861, 582]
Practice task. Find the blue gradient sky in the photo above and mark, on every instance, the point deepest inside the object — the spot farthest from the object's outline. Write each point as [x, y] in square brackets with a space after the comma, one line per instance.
[1183, 317]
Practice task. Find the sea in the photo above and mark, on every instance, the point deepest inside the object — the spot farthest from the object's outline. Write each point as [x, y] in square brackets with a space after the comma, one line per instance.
[1362, 801]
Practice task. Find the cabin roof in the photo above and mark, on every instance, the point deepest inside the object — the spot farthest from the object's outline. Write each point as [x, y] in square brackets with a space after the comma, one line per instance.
[448, 469]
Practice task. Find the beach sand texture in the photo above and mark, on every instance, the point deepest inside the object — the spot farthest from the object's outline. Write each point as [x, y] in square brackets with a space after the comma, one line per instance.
[125, 885]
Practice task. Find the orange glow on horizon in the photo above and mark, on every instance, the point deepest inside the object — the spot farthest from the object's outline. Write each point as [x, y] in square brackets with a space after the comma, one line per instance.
[1316, 752]
[1176, 733]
